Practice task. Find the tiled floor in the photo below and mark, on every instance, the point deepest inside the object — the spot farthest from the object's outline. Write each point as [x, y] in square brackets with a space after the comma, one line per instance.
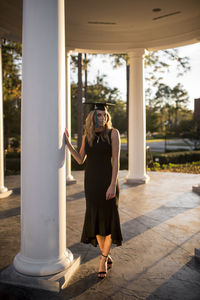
[160, 226]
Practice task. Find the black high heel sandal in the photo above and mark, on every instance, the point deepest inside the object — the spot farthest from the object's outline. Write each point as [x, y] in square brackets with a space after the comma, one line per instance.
[103, 272]
[109, 262]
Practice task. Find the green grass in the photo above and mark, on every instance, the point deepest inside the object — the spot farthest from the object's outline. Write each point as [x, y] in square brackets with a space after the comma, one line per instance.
[193, 168]
[124, 141]
[156, 140]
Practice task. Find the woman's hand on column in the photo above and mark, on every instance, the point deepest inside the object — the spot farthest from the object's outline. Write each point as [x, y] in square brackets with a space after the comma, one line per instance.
[66, 136]
[79, 157]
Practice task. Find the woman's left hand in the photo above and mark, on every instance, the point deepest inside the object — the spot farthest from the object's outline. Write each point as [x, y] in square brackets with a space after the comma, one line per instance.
[111, 191]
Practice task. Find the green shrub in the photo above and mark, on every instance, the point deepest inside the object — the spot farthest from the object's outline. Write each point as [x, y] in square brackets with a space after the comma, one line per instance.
[123, 163]
[165, 161]
[164, 167]
[178, 157]
[158, 136]
[12, 163]
[12, 155]
[12, 166]
[155, 167]
[196, 162]
[176, 150]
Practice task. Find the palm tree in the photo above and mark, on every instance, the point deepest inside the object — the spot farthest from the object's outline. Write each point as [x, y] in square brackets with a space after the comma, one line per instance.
[119, 60]
[86, 62]
[79, 104]
[180, 97]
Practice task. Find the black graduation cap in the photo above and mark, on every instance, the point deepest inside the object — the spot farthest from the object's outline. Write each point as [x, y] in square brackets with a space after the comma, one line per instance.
[99, 105]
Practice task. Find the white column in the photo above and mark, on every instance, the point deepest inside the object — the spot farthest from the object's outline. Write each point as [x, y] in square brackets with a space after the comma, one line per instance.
[137, 122]
[69, 178]
[43, 170]
[4, 192]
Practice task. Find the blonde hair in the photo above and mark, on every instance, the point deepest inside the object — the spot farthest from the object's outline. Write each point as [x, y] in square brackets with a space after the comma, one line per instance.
[90, 125]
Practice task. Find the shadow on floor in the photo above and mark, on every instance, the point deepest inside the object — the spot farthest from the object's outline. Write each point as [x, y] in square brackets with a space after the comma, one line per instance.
[139, 225]
[183, 285]
[9, 292]
[80, 287]
[9, 213]
[76, 196]
[169, 210]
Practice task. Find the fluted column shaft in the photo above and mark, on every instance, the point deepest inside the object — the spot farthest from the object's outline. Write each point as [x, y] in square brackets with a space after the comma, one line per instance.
[43, 169]
[137, 122]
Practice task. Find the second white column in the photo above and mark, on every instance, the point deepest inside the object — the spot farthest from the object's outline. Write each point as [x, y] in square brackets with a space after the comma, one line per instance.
[137, 122]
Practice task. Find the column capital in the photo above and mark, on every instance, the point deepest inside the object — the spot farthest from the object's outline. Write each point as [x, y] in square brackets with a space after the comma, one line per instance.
[136, 52]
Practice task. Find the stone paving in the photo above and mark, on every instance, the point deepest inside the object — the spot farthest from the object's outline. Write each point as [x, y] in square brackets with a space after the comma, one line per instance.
[160, 226]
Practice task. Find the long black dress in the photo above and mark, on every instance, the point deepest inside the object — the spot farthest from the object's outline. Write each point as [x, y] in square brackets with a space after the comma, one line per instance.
[101, 217]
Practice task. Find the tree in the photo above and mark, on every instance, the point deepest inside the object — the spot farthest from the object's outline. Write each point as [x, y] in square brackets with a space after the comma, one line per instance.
[77, 63]
[79, 103]
[180, 97]
[119, 117]
[100, 92]
[172, 100]
[86, 62]
[152, 120]
[119, 60]
[159, 62]
[11, 58]
[156, 64]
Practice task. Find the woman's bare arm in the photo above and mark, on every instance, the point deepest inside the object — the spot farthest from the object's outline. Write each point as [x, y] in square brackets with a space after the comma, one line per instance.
[115, 163]
[79, 157]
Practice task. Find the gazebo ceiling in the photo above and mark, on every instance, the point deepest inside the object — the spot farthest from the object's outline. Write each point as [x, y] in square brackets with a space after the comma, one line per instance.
[117, 26]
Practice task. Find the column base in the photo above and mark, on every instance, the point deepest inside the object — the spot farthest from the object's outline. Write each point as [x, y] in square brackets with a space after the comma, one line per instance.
[53, 283]
[4, 192]
[135, 180]
[196, 189]
[70, 180]
[42, 267]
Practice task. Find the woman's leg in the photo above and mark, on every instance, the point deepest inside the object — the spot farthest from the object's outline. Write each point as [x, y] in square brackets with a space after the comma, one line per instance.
[105, 244]
[101, 240]
[107, 247]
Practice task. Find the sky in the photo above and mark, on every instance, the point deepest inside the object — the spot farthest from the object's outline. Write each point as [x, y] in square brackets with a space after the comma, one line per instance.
[101, 64]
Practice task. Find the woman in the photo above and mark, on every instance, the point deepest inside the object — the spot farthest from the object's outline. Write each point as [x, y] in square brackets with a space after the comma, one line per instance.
[101, 146]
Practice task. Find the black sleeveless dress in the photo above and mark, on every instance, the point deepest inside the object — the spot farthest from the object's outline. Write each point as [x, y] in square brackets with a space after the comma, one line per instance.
[101, 217]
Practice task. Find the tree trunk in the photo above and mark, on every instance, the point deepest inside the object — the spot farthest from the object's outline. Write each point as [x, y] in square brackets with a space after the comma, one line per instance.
[79, 106]
[85, 91]
[127, 98]
[176, 115]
